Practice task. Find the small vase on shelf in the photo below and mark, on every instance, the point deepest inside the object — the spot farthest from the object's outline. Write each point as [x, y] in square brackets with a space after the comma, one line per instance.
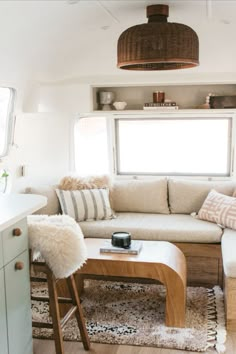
[106, 99]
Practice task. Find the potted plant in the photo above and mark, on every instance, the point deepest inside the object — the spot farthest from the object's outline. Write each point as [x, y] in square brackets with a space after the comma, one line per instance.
[3, 180]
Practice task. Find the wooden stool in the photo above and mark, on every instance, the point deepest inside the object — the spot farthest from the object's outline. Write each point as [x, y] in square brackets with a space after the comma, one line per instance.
[54, 300]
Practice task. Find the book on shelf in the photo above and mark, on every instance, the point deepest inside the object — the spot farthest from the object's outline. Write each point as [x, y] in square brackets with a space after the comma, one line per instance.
[160, 108]
[160, 104]
[134, 248]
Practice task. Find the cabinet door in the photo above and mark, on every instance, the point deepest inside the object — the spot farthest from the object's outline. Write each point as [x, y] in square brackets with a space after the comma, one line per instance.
[18, 306]
[3, 322]
[14, 244]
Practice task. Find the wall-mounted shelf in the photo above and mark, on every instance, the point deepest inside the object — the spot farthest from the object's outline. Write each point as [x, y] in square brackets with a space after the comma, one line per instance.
[186, 96]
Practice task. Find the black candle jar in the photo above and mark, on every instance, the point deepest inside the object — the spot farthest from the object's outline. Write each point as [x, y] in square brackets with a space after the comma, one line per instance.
[121, 239]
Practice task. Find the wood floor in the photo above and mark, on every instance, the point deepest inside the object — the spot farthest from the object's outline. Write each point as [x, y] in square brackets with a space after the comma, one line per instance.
[47, 347]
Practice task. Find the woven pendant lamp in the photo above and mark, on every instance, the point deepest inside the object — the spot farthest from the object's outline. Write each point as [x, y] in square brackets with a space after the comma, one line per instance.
[158, 45]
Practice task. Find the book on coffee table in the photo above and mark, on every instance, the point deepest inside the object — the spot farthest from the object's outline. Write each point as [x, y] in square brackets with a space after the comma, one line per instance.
[134, 248]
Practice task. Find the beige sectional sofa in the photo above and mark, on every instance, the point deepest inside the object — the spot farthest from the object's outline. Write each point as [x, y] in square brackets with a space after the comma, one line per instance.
[160, 209]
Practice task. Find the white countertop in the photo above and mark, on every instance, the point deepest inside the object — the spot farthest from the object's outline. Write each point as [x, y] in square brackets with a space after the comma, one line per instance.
[14, 207]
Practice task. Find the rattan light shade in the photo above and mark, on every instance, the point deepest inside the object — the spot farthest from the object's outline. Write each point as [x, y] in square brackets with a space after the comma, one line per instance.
[158, 45]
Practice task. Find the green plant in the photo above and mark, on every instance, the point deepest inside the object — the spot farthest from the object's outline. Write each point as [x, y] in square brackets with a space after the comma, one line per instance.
[3, 179]
[4, 174]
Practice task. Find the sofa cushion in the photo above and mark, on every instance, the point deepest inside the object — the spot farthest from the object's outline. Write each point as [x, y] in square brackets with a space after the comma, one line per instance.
[186, 197]
[228, 246]
[85, 204]
[142, 226]
[53, 205]
[142, 196]
[219, 208]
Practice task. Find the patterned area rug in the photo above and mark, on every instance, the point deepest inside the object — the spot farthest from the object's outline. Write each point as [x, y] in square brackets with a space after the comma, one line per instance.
[134, 314]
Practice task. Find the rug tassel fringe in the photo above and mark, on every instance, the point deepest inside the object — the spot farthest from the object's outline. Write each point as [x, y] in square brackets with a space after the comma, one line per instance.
[216, 336]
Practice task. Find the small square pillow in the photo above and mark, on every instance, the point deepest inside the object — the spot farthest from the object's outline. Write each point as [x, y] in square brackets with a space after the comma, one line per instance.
[219, 208]
[85, 204]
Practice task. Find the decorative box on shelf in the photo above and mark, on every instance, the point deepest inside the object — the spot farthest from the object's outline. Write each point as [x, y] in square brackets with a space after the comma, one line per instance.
[223, 101]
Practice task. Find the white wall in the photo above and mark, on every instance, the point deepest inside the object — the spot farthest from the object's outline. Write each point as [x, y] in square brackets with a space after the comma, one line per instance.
[70, 98]
[43, 141]
[43, 146]
[19, 81]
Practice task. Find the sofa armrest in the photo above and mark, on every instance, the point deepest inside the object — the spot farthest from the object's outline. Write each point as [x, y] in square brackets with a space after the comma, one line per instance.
[228, 244]
[53, 205]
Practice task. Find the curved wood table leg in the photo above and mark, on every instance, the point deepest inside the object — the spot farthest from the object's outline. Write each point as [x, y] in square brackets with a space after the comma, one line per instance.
[157, 260]
[175, 300]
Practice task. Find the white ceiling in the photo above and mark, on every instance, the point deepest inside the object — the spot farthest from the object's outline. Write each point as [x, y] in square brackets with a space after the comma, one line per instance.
[56, 39]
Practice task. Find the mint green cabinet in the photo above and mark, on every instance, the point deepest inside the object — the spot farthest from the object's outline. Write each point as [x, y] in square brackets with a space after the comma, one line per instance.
[1, 253]
[3, 320]
[17, 305]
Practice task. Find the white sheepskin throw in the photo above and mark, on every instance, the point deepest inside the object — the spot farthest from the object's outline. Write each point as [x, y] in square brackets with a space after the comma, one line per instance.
[59, 240]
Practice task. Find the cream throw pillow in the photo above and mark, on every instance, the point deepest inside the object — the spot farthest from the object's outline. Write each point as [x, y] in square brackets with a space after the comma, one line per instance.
[187, 196]
[219, 208]
[85, 204]
[140, 196]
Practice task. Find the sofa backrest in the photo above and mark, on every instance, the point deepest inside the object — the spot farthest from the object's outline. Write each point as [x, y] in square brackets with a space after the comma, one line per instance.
[148, 195]
[144, 196]
[187, 196]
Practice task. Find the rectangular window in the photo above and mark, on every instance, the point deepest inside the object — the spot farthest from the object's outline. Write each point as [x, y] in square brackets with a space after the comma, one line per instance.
[7, 97]
[174, 146]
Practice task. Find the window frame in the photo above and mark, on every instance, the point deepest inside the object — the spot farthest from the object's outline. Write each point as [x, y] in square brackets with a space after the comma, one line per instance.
[112, 117]
[10, 119]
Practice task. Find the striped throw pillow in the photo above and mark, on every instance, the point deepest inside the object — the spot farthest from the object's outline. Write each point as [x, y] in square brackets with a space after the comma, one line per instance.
[219, 208]
[85, 204]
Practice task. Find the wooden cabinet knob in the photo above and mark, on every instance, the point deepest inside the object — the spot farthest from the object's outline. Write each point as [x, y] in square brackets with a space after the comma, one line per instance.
[19, 265]
[17, 231]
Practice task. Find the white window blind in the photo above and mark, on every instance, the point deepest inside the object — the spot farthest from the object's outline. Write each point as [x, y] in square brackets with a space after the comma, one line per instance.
[173, 146]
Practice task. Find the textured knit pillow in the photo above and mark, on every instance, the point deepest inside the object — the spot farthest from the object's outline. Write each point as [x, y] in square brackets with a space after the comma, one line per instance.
[85, 204]
[219, 208]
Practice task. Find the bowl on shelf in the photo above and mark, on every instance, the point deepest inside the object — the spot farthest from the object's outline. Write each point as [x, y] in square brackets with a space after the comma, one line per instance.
[119, 106]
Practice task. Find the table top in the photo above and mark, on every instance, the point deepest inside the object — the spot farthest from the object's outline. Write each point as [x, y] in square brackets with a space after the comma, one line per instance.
[157, 252]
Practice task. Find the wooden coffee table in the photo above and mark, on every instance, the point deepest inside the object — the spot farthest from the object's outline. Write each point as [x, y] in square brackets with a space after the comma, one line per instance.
[157, 260]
